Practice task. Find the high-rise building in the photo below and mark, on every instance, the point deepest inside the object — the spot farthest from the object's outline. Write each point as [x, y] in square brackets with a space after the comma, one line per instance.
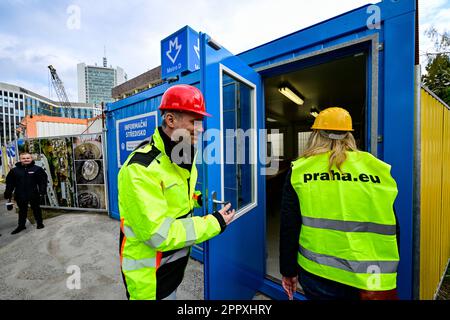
[17, 102]
[95, 83]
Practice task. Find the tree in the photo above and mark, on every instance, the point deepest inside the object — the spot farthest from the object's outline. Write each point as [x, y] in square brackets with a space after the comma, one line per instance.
[438, 67]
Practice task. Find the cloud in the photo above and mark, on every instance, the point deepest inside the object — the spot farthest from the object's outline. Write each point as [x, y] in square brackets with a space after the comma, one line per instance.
[428, 8]
[7, 45]
[33, 86]
[237, 25]
[35, 33]
[432, 13]
[27, 62]
[272, 19]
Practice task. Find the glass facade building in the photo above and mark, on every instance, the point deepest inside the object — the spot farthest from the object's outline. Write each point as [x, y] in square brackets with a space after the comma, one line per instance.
[17, 102]
[95, 83]
[99, 84]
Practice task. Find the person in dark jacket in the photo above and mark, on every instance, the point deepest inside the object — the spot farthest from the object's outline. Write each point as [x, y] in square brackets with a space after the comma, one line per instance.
[28, 182]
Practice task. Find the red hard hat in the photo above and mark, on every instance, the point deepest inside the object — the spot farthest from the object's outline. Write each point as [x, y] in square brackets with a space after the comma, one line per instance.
[183, 97]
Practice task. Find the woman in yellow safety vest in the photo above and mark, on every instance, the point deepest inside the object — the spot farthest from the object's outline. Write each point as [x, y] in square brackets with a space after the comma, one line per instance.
[338, 232]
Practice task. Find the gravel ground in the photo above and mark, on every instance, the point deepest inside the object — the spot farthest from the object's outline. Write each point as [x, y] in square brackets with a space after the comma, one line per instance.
[37, 264]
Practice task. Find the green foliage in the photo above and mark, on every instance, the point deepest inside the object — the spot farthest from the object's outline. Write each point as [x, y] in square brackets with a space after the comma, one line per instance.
[438, 67]
[438, 77]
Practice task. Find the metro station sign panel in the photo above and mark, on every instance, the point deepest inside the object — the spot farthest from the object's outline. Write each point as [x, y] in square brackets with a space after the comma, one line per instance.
[180, 53]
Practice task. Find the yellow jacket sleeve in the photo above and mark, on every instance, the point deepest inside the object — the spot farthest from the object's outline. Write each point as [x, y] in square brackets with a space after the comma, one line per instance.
[143, 206]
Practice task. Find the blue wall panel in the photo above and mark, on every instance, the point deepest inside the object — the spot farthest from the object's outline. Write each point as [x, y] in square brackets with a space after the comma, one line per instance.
[137, 108]
[399, 131]
[143, 102]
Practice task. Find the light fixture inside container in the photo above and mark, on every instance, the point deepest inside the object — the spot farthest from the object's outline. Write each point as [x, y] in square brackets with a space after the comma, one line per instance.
[314, 112]
[290, 94]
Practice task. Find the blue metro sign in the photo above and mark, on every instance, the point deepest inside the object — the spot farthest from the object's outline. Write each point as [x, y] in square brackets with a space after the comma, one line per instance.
[180, 52]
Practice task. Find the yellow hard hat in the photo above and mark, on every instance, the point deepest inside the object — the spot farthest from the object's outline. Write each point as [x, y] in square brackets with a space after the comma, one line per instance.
[335, 119]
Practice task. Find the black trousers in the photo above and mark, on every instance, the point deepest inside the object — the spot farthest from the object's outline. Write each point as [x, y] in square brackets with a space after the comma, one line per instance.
[23, 209]
[318, 288]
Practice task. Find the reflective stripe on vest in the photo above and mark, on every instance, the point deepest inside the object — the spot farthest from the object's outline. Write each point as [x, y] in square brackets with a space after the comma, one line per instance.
[177, 255]
[163, 232]
[190, 232]
[349, 226]
[161, 235]
[128, 232]
[131, 265]
[349, 265]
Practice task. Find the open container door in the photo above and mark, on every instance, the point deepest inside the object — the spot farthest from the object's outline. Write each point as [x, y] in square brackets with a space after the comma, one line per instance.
[235, 260]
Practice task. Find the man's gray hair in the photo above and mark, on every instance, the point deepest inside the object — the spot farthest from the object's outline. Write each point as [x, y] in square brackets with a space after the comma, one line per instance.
[177, 115]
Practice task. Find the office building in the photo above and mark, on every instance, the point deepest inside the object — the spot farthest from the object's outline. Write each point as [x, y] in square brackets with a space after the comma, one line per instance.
[147, 80]
[95, 83]
[17, 102]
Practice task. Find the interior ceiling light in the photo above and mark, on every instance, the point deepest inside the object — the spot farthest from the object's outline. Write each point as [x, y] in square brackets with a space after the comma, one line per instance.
[314, 112]
[291, 95]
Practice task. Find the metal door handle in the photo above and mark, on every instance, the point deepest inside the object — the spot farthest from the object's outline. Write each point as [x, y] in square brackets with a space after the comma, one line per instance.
[219, 202]
[215, 201]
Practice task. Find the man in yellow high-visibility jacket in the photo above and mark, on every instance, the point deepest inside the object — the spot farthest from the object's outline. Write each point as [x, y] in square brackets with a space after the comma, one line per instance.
[338, 231]
[157, 197]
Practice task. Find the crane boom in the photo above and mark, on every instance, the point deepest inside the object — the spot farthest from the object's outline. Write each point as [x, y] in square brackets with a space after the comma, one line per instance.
[60, 91]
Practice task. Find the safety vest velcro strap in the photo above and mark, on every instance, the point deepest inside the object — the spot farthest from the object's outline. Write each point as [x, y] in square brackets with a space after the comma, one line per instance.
[350, 265]
[190, 232]
[161, 235]
[131, 265]
[128, 232]
[349, 226]
[177, 255]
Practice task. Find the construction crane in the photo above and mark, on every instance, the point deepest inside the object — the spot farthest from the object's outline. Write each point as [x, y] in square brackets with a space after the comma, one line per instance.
[60, 91]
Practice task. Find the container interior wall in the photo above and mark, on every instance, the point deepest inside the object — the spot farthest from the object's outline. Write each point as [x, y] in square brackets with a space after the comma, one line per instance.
[435, 210]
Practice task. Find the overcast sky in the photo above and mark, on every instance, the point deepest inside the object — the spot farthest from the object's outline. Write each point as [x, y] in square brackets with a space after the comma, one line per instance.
[34, 34]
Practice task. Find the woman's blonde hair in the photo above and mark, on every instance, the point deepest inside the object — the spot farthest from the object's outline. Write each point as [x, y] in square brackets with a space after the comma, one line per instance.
[319, 143]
